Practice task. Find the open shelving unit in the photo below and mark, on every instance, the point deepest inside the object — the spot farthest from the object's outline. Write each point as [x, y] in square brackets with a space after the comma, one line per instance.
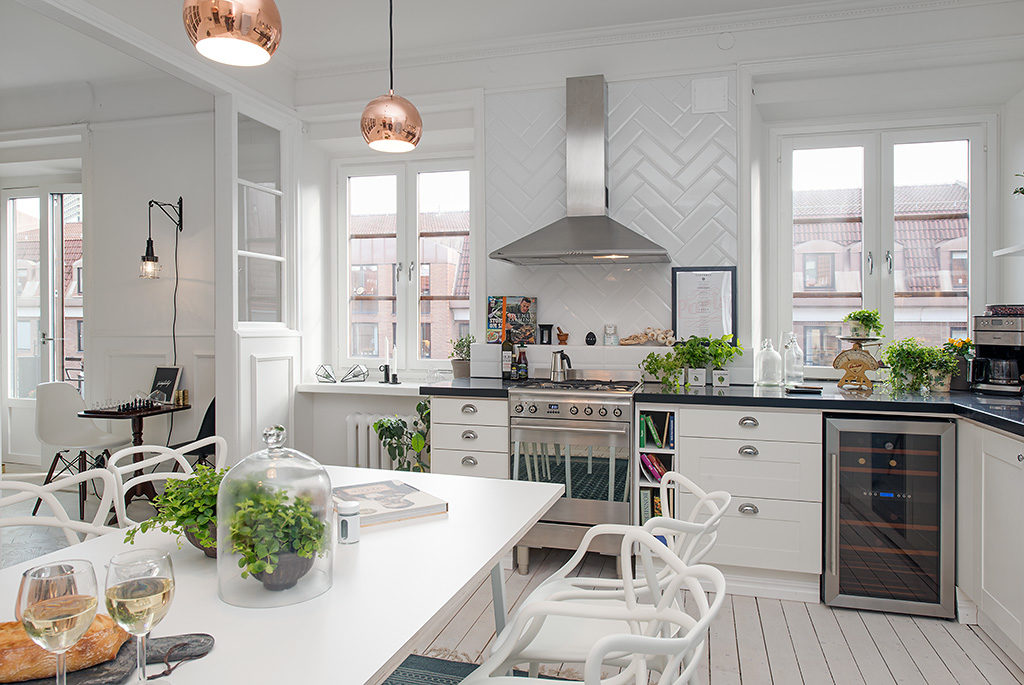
[654, 445]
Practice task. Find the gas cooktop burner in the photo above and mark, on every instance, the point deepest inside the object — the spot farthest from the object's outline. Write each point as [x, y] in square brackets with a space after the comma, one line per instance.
[582, 384]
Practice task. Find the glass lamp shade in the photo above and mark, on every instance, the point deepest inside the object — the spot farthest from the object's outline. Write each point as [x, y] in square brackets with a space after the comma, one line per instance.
[149, 268]
[275, 525]
[391, 123]
[242, 33]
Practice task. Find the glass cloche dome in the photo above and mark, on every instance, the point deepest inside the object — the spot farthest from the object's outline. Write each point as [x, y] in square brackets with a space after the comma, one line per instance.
[274, 532]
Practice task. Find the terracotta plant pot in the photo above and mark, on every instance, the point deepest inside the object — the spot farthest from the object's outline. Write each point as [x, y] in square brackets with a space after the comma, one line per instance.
[208, 551]
[290, 567]
[460, 368]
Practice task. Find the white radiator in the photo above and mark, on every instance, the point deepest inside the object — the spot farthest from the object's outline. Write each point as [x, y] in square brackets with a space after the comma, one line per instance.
[364, 448]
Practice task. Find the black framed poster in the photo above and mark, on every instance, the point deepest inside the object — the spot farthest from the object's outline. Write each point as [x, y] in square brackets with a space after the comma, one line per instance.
[704, 301]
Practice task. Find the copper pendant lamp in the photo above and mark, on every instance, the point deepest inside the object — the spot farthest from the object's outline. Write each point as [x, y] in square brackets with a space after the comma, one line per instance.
[391, 123]
[242, 33]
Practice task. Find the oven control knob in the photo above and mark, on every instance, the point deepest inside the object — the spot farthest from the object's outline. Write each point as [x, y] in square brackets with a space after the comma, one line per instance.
[574, 410]
[533, 408]
[603, 411]
[519, 409]
[617, 411]
[588, 411]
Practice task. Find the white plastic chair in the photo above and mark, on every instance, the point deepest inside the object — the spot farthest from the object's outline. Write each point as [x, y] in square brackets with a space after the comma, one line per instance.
[662, 632]
[128, 473]
[59, 519]
[59, 427]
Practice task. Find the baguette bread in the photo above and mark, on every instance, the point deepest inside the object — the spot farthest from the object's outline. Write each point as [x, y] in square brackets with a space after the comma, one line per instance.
[21, 659]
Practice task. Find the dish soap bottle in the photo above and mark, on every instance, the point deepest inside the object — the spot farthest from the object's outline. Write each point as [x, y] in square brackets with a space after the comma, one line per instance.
[793, 362]
[769, 364]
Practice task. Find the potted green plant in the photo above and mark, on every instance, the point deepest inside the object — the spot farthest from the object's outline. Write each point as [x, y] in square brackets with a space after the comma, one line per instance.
[914, 367]
[408, 446]
[665, 368]
[696, 356]
[722, 352]
[864, 323]
[187, 508]
[963, 350]
[277, 536]
[460, 356]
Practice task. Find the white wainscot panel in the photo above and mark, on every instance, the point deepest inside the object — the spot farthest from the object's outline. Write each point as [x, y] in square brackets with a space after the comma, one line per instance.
[272, 380]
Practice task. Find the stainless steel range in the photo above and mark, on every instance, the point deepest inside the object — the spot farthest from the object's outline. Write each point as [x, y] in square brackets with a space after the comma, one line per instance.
[576, 433]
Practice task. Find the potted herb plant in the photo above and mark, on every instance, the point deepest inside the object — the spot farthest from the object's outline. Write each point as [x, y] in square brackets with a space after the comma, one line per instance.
[460, 356]
[864, 323]
[187, 508]
[408, 447]
[277, 536]
[722, 352]
[918, 368]
[696, 356]
[665, 368]
[963, 350]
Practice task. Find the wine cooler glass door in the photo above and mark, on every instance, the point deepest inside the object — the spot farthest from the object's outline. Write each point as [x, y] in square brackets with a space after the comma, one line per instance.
[891, 515]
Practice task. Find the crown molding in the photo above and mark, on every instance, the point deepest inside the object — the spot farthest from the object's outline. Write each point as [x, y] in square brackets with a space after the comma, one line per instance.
[815, 13]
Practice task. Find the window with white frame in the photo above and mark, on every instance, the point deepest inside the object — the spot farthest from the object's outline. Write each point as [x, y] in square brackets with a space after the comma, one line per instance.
[407, 229]
[878, 220]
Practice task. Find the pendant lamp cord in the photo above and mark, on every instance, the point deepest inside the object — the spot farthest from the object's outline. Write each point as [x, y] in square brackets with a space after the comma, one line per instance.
[391, 45]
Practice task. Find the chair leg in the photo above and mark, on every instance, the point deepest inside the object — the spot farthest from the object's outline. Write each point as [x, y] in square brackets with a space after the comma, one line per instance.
[82, 493]
[48, 479]
[534, 669]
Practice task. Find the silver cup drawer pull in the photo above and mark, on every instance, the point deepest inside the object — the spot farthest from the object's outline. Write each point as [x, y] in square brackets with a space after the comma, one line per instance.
[748, 509]
[1020, 457]
[469, 409]
[469, 461]
[748, 451]
[469, 435]
[749, 422]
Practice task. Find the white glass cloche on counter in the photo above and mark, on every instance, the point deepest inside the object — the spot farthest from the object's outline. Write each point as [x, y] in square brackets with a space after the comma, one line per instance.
[274, 532]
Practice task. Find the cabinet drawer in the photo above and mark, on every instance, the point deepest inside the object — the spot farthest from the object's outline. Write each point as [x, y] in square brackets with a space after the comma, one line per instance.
[466, 463]
[469, 411]
[754, 468]
[751, 423]
[779, 535]
[469, 437]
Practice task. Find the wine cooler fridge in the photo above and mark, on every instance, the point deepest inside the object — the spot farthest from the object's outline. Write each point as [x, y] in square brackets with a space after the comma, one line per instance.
[890, 519]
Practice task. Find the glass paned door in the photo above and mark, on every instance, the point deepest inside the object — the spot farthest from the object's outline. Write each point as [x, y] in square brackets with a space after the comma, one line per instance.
[28, 281]
[828, 246]
[930, 254]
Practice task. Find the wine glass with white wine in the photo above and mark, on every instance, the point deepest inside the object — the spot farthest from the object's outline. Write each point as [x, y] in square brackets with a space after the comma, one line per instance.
[140, 586]
[56, 604]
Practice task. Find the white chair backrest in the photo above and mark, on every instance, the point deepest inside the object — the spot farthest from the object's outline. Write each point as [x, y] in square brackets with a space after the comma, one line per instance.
[22, 491]
[57, 422]
[123, 468]
[220, 453]
[690, 532]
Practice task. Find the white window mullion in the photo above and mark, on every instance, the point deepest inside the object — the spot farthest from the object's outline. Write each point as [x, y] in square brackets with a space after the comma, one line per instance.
[878, 228]
[407, 255]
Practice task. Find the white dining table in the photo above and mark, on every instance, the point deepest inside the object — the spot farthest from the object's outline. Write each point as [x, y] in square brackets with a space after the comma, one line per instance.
[400, 579]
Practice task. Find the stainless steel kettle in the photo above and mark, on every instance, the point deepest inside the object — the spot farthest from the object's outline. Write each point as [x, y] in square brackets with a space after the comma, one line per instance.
[560, 365]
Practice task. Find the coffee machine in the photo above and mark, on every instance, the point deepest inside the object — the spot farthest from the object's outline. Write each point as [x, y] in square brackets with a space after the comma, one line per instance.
[999, 357]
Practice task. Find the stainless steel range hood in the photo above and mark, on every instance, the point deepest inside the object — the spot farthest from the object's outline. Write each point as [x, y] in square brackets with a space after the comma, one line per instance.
[587, 235]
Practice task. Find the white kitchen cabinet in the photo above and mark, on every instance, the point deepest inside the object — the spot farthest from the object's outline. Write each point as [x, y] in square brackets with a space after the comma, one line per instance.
[1002, 534]
[471, 411]
[754, 468]
[751, 423]
[469, 437]
[469, 463]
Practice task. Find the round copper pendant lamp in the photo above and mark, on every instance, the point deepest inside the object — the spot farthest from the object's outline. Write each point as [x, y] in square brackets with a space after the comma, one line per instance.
[242, 33]
[391, 123]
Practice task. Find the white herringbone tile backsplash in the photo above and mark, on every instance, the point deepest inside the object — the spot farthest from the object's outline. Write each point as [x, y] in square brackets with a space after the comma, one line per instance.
[671, 177]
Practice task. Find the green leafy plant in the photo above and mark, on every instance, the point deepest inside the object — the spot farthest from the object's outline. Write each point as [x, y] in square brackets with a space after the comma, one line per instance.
[695, 352]
[722, 351]
[914, 366]
[461, 347]
[186, 506]
[269, 523]
[666, 368]
[868, 318]
[1020, 189]
[408, 446]
[963, 347]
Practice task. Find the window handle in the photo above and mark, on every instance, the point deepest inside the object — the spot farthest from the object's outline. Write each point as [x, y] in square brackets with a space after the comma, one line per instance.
[888, 260]
[871, 264]
[398, 272]
[412, 267]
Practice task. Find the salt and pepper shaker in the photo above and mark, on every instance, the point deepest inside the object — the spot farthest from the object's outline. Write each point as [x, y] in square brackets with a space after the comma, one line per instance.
[348, 521]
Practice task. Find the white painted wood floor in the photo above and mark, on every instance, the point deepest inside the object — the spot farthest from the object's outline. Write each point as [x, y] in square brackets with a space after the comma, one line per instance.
[755, 641]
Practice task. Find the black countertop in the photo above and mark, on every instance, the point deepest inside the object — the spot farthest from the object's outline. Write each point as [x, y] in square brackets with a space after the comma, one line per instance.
[1006, 413]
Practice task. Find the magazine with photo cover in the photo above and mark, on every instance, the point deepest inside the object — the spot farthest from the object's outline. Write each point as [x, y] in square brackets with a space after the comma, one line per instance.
[516, 315]
[390, 500]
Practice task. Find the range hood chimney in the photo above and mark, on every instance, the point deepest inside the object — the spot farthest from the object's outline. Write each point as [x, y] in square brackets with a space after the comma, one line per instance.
[587, 235]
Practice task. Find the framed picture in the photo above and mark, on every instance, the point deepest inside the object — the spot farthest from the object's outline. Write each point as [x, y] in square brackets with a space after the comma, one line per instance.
[165, 382]
[704, 301]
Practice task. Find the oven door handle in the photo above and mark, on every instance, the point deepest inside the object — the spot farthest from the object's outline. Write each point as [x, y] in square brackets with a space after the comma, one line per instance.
[541, 427]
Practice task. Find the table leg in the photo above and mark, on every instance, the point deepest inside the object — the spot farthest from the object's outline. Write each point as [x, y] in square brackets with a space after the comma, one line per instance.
[142, 490]
[498, 597]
